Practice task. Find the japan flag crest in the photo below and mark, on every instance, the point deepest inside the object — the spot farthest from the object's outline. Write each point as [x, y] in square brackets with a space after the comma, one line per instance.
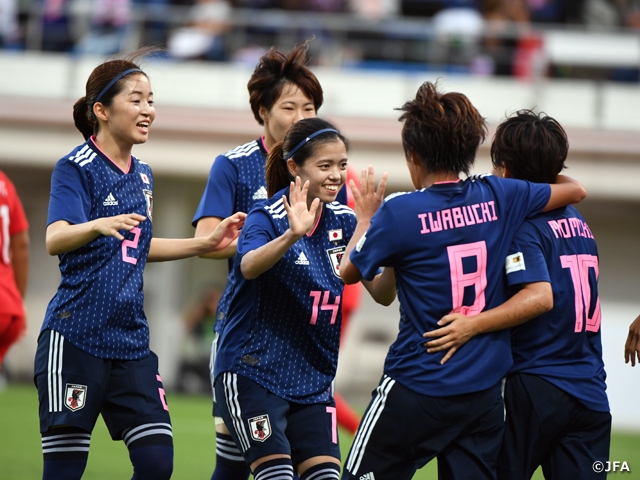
[75, 396]
[260, 428]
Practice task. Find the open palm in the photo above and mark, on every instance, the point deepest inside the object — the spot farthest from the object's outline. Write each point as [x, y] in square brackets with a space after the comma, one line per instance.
[301, 215]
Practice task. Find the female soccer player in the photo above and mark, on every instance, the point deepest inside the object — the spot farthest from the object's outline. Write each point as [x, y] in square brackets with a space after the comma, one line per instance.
[93, 352]
[278, 355]
[447, 242]
[14, 265]
[282, 91]
[555, 393]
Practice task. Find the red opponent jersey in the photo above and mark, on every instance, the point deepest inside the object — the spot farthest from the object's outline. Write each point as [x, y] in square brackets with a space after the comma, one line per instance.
[12, 222]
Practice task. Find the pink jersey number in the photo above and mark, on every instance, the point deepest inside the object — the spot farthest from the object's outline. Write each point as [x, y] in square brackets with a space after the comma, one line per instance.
[460, 280]
[579, 266]
[131, 244]
[334, 424]
[316, 294]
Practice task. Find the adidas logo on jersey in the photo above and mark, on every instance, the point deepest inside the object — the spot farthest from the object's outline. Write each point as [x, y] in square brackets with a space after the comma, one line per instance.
[367, 476]
[302, 259]
[110, 201]
[261, 194]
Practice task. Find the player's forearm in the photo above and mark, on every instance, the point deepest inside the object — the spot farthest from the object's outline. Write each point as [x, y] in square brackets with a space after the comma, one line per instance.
[258, 261]
[204, 228]
[167, 249]
[530, 302]
[20, 260]
[383, 287]
[62, 237]
[566, 191]
[348, 271]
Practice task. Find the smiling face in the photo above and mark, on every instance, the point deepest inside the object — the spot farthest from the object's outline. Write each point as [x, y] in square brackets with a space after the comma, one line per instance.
[292, 105]
[326, 171]
[130, 114]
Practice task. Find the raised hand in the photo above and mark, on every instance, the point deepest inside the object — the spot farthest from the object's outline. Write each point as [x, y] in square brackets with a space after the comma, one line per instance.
[301, 215]
[632, 346]
[227, 231]
[110, 226]
[368, 199]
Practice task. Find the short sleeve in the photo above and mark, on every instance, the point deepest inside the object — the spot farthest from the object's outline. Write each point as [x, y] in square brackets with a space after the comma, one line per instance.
[70, 199]
[17, 219]
[532, 197]
[218, 199]
[379, 245]
[258, 230]
[526, 261]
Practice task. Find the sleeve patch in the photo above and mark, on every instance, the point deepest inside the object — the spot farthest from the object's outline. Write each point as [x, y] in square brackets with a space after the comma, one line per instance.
[514, 263]
[361, 242]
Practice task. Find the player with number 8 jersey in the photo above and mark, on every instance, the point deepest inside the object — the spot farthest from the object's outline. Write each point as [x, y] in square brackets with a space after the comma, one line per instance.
[446, 242]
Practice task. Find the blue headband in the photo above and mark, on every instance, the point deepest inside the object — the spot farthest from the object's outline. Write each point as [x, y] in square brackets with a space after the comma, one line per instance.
[304, 142]
[112, 82]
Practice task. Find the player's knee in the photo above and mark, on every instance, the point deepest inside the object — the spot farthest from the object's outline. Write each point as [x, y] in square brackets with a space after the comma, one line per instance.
[322, 471]
[152, 462]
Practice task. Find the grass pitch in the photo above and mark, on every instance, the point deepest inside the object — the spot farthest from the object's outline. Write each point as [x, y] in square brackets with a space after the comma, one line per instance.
[194, 441]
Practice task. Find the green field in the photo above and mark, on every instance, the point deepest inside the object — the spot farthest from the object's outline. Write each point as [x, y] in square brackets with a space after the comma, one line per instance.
[194, 439]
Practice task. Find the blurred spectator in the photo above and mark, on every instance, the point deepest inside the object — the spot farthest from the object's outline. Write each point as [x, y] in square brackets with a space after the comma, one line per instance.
[56, 27]
[203, 37]
[9, 32]
[109, 27]
[198, 320]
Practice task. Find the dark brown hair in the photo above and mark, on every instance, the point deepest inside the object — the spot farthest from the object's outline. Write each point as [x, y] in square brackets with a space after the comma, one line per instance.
[533, 146]
[442, 130]
[274, 71]
[278, 176]
[100, 77]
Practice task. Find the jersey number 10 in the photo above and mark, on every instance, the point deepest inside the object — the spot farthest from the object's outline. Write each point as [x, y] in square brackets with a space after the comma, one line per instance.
[579, 266]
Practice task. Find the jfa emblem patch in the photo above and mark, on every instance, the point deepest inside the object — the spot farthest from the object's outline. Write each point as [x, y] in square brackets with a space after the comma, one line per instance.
[335, 235]
[148, 195]
[75, 396]
[335, 255]
[260, 428]
[514, 263]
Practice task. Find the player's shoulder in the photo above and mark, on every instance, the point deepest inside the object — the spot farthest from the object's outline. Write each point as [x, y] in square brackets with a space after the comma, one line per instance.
[243, 152]
[273, 207]
[396, 196]
[140, 166]
[337, 208]
[81, 157]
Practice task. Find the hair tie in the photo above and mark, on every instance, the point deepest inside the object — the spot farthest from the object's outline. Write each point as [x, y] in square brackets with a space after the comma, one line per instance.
[110, 84]
[303, 142]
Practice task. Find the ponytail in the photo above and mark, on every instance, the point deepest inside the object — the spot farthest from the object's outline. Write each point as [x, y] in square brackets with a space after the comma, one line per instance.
[277, 172]
[82, 119]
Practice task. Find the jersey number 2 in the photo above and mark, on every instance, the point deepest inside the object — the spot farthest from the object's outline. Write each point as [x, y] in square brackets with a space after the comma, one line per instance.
[131, 244]
[461, 280]
[579, 266]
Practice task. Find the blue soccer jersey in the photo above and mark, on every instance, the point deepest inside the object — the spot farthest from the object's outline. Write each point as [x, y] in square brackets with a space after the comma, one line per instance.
[283, 328]
[99, 304]
[236, 183]
[563, 346]
[447, 244]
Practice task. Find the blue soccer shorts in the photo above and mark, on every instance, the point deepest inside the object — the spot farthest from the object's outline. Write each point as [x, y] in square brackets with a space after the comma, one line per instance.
[75, 387]
[261, 423]
[403, 430]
